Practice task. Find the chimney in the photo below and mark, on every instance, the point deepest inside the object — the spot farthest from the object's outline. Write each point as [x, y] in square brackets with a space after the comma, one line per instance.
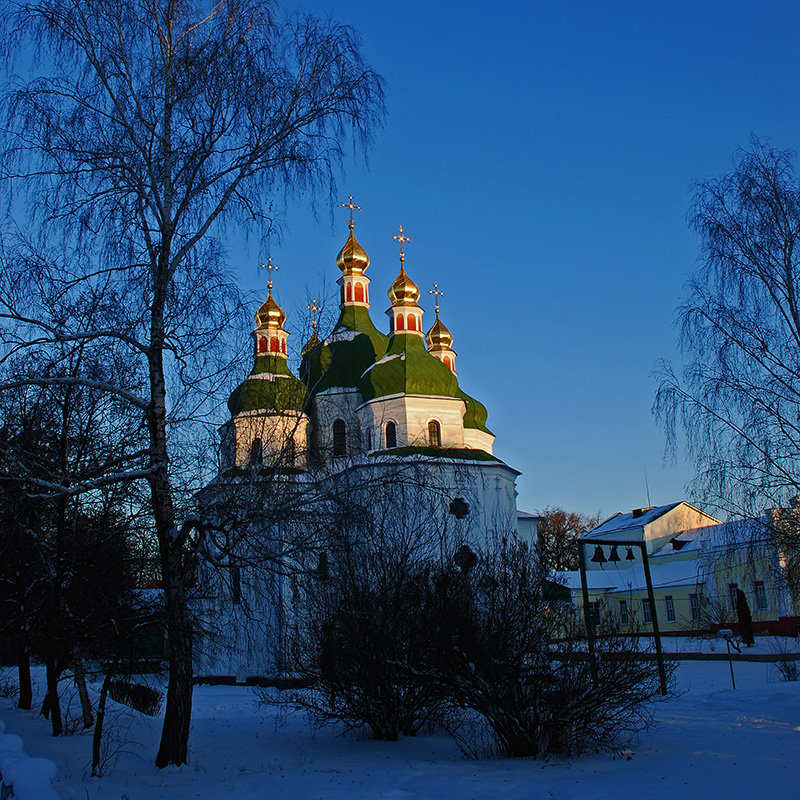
[639, 512]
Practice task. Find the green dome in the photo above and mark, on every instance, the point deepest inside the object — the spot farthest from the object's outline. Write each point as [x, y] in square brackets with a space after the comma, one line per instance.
[408, 368]
[280, 392]
[341, 359]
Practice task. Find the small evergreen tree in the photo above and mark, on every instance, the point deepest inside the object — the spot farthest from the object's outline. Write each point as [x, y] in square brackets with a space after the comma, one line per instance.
[745, 618]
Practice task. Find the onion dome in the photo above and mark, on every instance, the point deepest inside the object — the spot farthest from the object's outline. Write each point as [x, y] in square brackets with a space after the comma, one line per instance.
[311, 343]
[270, 387]
[352, 257]
[403, 291]
[439, 337]
[340, 359]
[270, 315]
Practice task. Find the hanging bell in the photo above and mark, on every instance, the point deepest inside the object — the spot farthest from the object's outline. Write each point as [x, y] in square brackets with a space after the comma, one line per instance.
[598, 557]
[629, 556]
[614, 555]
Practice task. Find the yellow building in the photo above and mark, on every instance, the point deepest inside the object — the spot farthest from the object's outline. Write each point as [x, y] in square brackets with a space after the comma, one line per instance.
[696, 565]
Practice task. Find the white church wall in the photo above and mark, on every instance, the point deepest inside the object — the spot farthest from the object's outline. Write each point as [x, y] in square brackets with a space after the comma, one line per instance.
[273, 431]
[251, 616]
[487, 487]
[478, 440]
[240, 626]
[328, 406]
[412, 414]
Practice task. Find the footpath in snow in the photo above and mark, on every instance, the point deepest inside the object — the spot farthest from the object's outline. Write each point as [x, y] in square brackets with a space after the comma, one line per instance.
[709, 741]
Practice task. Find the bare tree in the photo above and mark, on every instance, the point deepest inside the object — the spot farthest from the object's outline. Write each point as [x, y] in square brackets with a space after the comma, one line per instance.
[406, 619]
[558, 536]
[736, 403]
[367, 606]
[62, 575]
[160, 124]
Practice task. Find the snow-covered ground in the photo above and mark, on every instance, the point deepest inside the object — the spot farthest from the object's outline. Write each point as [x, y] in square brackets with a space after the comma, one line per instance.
[708, 742]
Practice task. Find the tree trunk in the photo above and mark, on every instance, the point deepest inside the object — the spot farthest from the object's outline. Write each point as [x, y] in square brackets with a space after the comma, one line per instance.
[173, 748]
[174, 745]
[97, 736]
[24, 670]
[52, 705]
[83, 694]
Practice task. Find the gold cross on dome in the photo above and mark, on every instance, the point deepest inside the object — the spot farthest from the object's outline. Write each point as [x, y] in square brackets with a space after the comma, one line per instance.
[437, 293]
[353, 207]
[314, 308]
[269, 266]
[402, 238]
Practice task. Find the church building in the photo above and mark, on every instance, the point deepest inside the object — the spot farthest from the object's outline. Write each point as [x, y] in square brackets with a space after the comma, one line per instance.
[359, 391]
[362, 403]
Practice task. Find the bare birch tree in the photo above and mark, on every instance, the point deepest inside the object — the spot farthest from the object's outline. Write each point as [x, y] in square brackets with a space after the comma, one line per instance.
[736, 403]
[154, 127]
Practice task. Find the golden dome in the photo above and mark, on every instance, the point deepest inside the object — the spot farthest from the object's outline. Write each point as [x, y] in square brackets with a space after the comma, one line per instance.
[311, 343]
[439, 337]
[403, 291]
[352, 257]
[270, 315]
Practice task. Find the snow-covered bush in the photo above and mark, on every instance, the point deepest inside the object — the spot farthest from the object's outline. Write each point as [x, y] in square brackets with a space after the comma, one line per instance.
[28, 778]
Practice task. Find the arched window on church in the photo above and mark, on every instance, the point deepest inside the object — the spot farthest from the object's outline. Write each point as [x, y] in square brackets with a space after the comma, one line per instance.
[369, 438]
[263, 345]
[349, 292]
[274, 345]
[412, 322]
[339, 439]
[359, 293]
[255, 452]
[434, 434]
[400, 322]
[391, 435]
[283, 346]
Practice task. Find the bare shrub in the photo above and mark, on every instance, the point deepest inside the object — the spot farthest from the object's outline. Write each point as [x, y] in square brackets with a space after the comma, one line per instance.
[366, 612]
[476, 645]
[787, 659]
[8, 688]
[138, 696]
[503, 656]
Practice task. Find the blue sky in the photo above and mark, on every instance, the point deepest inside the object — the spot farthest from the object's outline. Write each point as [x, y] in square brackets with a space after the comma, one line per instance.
[541, 157]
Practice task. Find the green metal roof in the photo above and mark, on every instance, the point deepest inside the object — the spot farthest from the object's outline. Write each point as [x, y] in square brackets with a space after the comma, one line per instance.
[408, 368]
[476, 414]
[342, 358]
[461, 453]
[280, 392]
